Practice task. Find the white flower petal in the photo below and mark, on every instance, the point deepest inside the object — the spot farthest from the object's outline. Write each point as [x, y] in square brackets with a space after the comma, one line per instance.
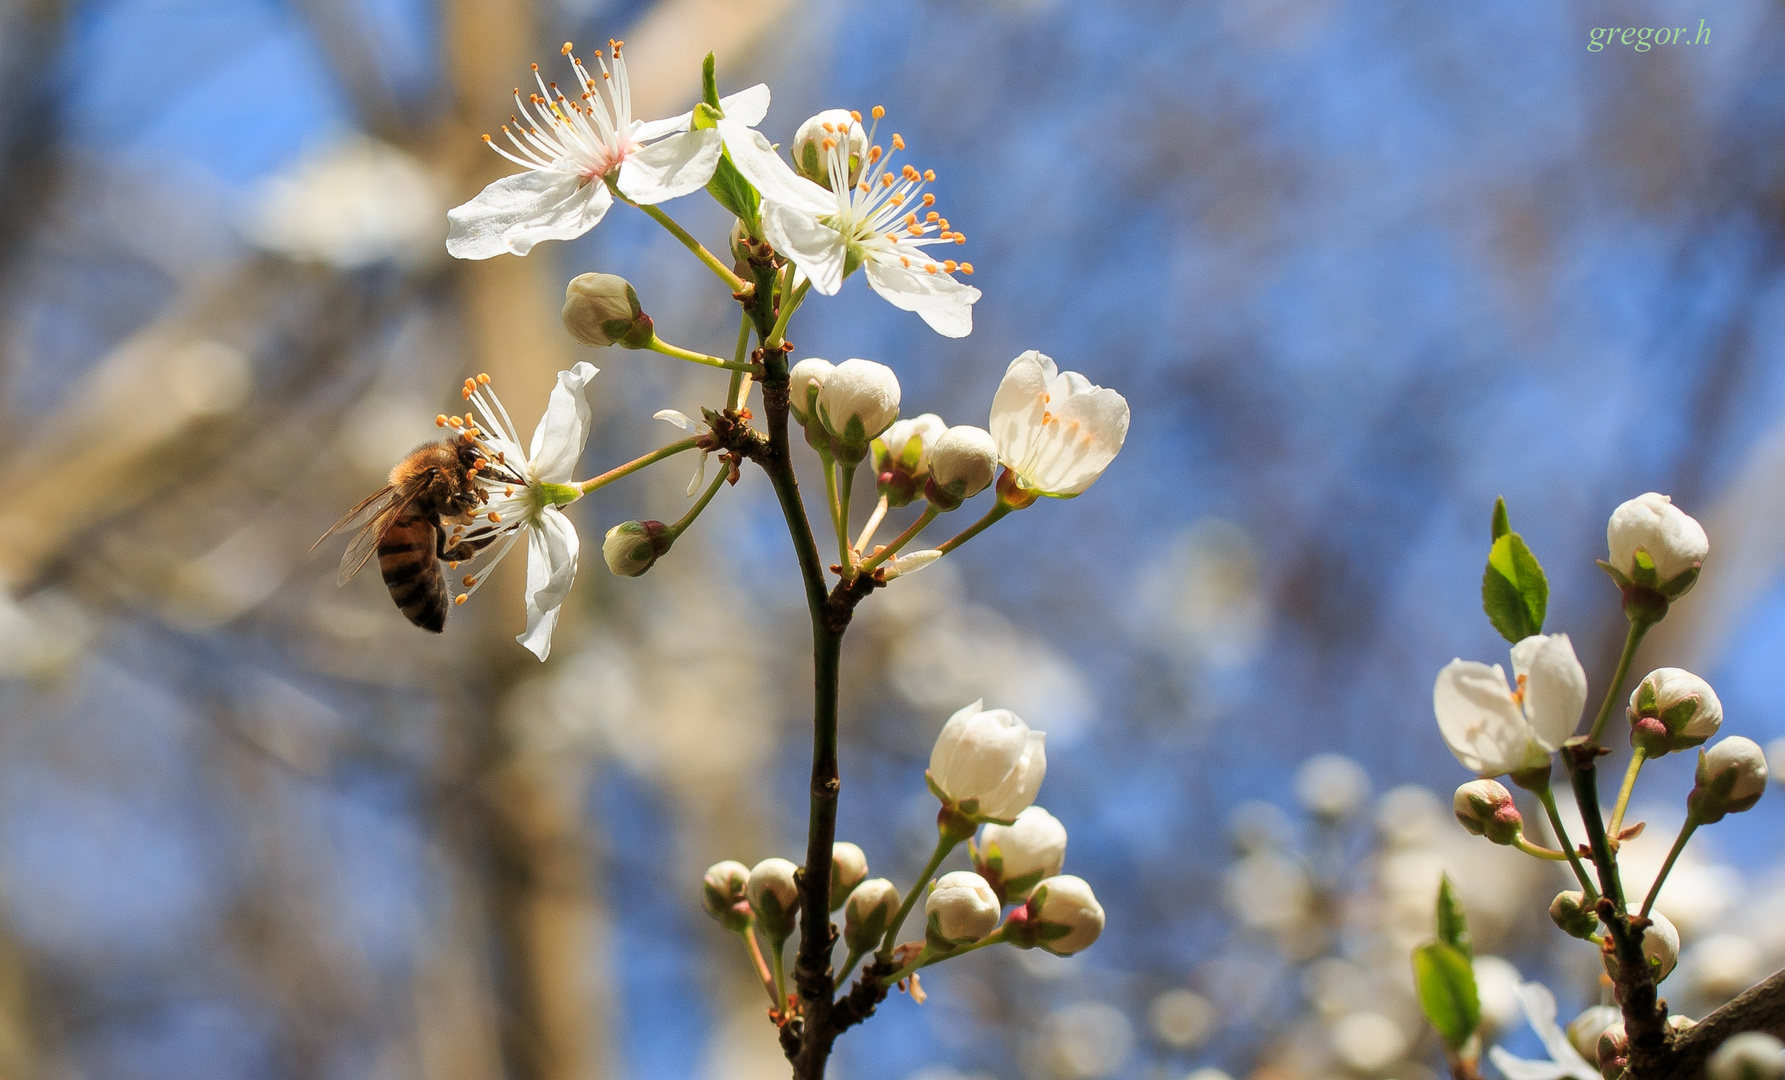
[757, 160]
[1513, 1068]
[551, 567]
[944, 303]
[817, 249]
[1479, 720]
[562, 431]
[1019, 404]
[700, 475]
[516, 212]
[670, 168]
[942, 754]
[1555, 687]
[748, 106]
[678, 418]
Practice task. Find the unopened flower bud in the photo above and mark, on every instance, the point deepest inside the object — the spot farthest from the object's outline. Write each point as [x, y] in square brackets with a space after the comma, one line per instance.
[848, 867]
[631, 547]
[902, 457]
[775, 897]
[1749, 1055]
[987, 765]
[1485, 808]
[1656, 545]
[960, 910]
[1660, 943]
[1672, 709]
[1014, 858]
[867, 913]
[963, 464]
[1570, 912]
[859, 400]
[804, 380]
[1731, 778]
[811, 157]
[1062, 916]
[603, 309]
[1585, 1029]
[723, 894]
[1613, 1051]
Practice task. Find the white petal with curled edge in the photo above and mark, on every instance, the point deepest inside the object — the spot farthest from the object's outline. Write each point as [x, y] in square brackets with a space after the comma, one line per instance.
[676, 417]
[516, 212]
[942, 754]
[817, 249]
[748, 106]
[670, 168]
[551, 567]
[1092, 424]
[1555, 687]
[943, 302]
[1479, 720]
[1019, 404]
[757, 160]
[912, 563]
[562, 431]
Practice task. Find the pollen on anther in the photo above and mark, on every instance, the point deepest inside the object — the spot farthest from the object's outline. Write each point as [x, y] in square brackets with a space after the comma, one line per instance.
[455, 421]
[440, 421]
[469, 580]
[461, 598]
[931, 216]
[879, 111]
[906, 260]
[857, 116]
[864, 187]
[509, 491]
[829, 145]
[486, 136]
[931, 268]
[967, 268]
[830, 127]
[535, 67]
[929, 175]
[960, 238]
[898, 141]
[950, 265]
[929, 199]
[495, 518]
[914, 230]
[874, 153]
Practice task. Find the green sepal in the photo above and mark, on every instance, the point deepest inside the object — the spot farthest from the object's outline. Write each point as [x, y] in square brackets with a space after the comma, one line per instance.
[1642, 569]
[706, 117]
[557, 494]
[709, 82]
[1502, 525]
[1453, 927]
[1447, 995]
[1514, 590]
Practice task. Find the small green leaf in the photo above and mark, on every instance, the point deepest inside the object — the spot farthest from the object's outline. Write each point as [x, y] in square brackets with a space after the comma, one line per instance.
[1453, 928]
[709, 82]
[1502, 526]
[1447, 994]
[729, 188]
[1514, 590]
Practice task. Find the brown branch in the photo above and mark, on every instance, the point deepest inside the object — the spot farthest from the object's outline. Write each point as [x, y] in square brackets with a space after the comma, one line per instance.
[1761, 1007]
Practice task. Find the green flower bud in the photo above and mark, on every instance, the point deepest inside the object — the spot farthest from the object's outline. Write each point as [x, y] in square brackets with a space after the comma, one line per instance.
[1731, 778]
[1485, 808]
[631, 547]
[867, 913]
[603, 309]
[723, 894]
[775, 897]
[1570, 912]
[848, 867]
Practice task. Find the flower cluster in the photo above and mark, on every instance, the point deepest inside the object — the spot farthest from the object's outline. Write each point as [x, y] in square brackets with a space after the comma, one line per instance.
[1656, 553]
[986, 768]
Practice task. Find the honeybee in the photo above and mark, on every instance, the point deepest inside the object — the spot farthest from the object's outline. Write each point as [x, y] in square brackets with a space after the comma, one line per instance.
[406, 524]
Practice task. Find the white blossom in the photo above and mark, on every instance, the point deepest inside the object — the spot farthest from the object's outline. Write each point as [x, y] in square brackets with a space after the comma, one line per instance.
[848, 867]
[1565, 1060]
[858, 401]
[1055, 430]
[963, 464]
[1681, 710]
[570, 148]
[1064, 915]
[988, 764]
[1493, 729]
[1017, 856]
[880, 222]
[531, 506]
[804, 380]
[1731, 778]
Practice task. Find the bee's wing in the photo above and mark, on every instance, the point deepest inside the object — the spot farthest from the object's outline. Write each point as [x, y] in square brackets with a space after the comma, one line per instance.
[374, 502]
[385, 507]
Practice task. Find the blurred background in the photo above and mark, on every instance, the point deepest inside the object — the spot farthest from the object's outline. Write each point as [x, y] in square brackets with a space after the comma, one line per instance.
[1359, 268]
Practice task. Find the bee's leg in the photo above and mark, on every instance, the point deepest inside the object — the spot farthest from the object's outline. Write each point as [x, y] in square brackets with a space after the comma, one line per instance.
[460, 551]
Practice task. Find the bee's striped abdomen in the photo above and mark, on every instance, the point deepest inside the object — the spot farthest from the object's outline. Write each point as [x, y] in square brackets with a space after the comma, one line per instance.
[411, 569]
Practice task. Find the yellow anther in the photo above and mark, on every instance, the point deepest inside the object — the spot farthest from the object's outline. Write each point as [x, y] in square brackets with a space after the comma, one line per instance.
[829, 145]
[455, 421]
[930, 268]
[873, 154]
[469, 580]
[914, 230]
[830, 127]
[929, 199]
[879, 111]
[509, 491]
[454, 565]
[886, 180]
[906, 261]
[910, 219]
[949, 265]
[929, 175]
[898, 141]
[897, 199]
[932, 215]
[864, 186]
[856, 116]
[565, 51]
[461, 598]
[483, 379]
[495, 518]
[616, 46]
[440, 421]
[486, 136]
[908, 173]
[960, 238]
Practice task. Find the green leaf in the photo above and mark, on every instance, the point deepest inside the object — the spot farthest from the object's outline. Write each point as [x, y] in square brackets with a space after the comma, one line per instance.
[1447, 994]
[1502, 526]
[1453, 928]
[709, 82]
[729, 188]
[1514, 591]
